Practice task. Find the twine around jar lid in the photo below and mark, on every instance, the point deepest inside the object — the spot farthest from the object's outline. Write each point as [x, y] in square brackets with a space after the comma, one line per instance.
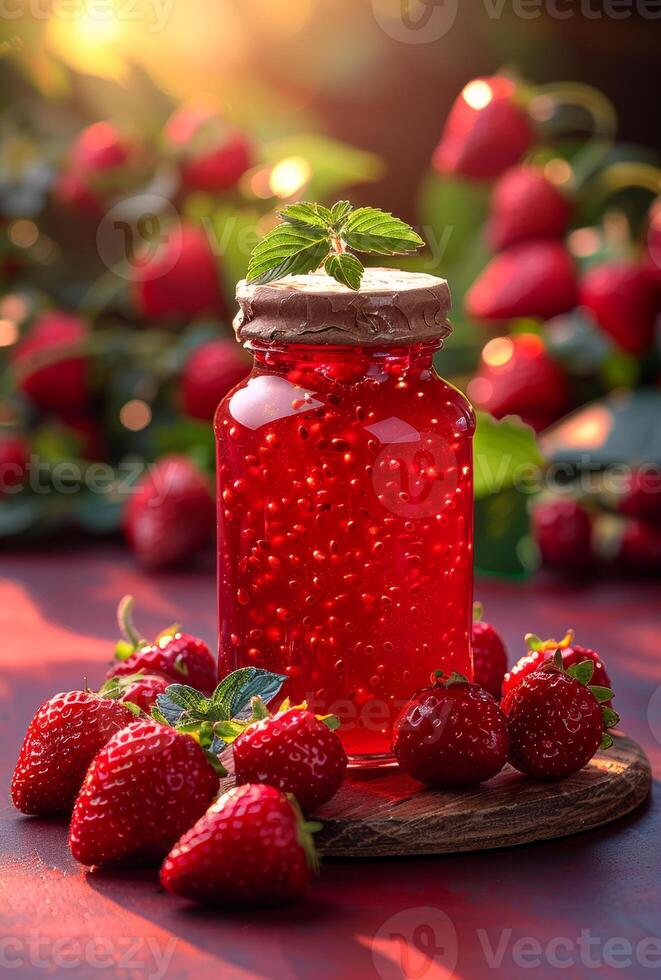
[391, 307]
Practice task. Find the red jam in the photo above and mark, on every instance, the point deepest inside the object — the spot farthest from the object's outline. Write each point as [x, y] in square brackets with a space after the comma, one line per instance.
[345, 530]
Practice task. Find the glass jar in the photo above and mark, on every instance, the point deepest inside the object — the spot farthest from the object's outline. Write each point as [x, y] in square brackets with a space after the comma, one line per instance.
[345, 509]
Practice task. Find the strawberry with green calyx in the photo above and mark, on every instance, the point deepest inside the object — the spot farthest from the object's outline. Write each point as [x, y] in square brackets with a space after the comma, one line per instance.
[557, 720]
[251, 848]
[451, 734]
[175, 655]
[489, 654]
[139, 689]
[541, 651]
[293, 750]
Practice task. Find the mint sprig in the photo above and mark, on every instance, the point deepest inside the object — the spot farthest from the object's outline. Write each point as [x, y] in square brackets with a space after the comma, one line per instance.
[312, 235]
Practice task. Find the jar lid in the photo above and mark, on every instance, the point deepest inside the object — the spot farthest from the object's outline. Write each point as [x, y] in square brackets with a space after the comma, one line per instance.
[391, 307]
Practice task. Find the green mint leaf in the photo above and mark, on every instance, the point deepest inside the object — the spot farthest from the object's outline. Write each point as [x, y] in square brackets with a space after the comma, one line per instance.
[233, 696]
[610, 717]
[601, 693]
[606, 741]
[307, 215]
[371, 230]
[229, 731]
[330, 721]
[339, 213]
[346, 269]
[181, 703]
[288, 250]
[158, 715]
[582, 671]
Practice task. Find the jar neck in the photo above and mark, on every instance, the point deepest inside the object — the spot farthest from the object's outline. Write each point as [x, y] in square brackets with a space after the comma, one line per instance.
[372, 361]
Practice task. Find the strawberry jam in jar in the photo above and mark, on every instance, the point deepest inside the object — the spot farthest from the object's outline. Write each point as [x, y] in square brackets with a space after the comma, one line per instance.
[345, 506]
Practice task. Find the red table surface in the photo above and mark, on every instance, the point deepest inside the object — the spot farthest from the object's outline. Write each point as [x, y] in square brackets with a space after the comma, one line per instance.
[509, 912]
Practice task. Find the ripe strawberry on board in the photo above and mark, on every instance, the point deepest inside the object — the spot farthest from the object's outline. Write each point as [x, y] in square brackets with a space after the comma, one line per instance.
[251, 848]
[14, 461]
[170, 514]
[517, 376]
[486, 132]
[210, 372]
[489, 654]
[47, 364]
[451, 734]
[542, 651]
[178, 279]
[623, 299]
[62, 739]
[145, 787]
[177, 657]
[213, 155]
[531, 279]
[294, 751]
[557, 720]
[526, 205]
[562, 530]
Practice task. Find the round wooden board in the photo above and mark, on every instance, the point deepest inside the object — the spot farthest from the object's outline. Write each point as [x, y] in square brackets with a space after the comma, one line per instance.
[384, 813]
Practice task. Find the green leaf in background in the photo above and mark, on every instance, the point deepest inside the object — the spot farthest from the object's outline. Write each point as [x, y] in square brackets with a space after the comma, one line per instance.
[346, 269]
[371, 230]
[501, 534]
[506, 454]
[333, 165]
[287, 250]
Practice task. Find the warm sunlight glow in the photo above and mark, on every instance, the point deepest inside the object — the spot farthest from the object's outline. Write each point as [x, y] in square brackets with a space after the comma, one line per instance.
[289, 176]
[135, 415]
[584, 242]
[23, 233]
[558, 171]
[478, 94]
[8, 333]
[89, 42]
[498, 351]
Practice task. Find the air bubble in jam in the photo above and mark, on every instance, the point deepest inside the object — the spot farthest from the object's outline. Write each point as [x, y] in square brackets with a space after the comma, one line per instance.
[345, 558]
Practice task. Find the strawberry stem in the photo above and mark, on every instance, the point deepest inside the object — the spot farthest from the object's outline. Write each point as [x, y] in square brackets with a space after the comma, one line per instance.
[125, 621]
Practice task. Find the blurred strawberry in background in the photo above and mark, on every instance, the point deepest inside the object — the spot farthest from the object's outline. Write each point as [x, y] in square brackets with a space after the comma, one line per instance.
[208, 374]
[212, 154]
[526, 205]
[48, 365]
[624, 300]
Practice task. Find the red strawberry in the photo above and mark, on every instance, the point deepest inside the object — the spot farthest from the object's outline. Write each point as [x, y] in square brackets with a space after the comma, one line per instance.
[562, 529]
[556, 723]
[489, 655]
[209, 373]
[622, 297]
[640, 496]
[250, 849]
[171, 513]
[486, 132]
[525, 205]
[532, 279]
[98, 161]
[177, 657]
[542, 651]
[61, 741]
[640, 547]
[142, 791]
[139, 689]
[48, 366]
[180, 278]
[14, 462]
[213, 154]
[451, 734]
[295, 752]
[517, 376]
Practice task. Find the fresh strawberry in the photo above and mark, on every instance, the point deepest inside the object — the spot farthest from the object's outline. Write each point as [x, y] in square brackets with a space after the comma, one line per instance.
[294, 751]
[209, 373]
[212, 154]
[639, 547]
[171, 513]
[14, 462]
[451, 734]
[486, 132]
[178, 657]
[640, 496]
[622, 297]
[48, 366]
[489, 654]
[61, 741]
[251, 848]
[556, 721]
[541, 651]
[531, 279]
[180, 278]
[99, 162]
[517, 376]
[526, 205]
[139, 689]
[145, 787]
[562, 529]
